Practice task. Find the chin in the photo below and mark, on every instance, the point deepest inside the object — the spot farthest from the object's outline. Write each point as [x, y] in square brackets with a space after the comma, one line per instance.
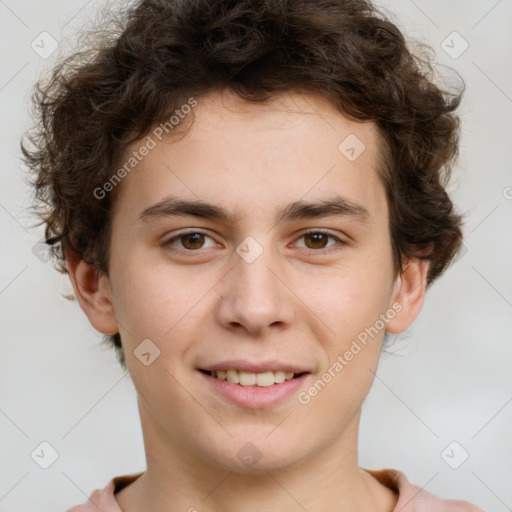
[259, 457]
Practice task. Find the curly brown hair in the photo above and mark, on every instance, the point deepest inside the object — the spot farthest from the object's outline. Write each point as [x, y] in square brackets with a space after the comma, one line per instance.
[97, 102]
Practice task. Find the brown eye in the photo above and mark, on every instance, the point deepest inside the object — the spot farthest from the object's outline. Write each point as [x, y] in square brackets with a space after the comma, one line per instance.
[192, 240]
[188, 242]
[317, 240]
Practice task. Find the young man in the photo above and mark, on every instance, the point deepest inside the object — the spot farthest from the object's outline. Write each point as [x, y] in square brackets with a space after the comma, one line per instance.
[247, 196]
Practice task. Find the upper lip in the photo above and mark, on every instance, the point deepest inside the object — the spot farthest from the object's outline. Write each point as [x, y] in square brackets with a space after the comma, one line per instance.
[255, 367]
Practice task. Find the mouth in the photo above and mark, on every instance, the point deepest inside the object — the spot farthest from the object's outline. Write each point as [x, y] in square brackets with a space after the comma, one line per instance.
[245, 378]
[255, 385]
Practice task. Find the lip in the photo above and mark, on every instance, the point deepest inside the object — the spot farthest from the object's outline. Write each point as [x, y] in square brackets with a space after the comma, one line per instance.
[255, 397]
[256, 367]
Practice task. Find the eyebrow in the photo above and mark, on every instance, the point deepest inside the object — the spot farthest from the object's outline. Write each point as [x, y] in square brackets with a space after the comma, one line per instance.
[338, 205]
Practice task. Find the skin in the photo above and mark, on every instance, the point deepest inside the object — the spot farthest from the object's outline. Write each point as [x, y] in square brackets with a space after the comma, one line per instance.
[301, 301]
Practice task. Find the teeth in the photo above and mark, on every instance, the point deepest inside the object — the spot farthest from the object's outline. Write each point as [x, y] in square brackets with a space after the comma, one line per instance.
[251, 379]
[232, 376]
[265, 379]
[247, 378]
[281, 377]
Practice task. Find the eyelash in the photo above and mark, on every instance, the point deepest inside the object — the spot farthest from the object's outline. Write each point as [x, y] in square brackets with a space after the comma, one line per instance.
[168, 242]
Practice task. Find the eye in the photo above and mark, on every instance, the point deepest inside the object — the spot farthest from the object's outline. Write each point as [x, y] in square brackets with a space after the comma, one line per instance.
[316, 240]
[190, 242]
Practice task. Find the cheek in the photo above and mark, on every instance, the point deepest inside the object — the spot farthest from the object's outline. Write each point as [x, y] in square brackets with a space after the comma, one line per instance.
[352, 355]
[352, 299]
[147, 303]
[352, 306]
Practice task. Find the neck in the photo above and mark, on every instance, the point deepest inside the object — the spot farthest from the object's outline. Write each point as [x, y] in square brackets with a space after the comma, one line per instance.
[176, 480]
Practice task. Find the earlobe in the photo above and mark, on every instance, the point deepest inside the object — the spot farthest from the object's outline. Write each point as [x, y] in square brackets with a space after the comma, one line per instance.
[410, 288]
[92, 290]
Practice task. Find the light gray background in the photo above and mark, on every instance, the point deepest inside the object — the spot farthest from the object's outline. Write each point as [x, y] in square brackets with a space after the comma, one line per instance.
[450, 378]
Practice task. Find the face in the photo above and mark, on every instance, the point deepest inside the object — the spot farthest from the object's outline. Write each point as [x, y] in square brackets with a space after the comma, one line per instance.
[257, 243]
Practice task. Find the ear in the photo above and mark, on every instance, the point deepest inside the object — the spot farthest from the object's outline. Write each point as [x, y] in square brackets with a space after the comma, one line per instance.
[92, 290]
[409, 292]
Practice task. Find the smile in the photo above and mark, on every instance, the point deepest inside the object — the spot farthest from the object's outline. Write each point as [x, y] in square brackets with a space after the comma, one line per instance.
[244, 378]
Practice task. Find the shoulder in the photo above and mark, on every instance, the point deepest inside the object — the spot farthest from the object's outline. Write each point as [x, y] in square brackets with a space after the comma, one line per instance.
[103, 499]
[412, 498]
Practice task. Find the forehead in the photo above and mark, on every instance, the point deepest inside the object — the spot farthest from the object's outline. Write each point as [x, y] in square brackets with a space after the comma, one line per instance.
[253, 156]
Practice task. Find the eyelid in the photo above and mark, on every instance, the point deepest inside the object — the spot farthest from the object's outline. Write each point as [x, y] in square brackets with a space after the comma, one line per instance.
[177, 236]
[328, 233]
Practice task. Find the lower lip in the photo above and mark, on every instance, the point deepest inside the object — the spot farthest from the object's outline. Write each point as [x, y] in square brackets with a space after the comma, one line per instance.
[256, 397]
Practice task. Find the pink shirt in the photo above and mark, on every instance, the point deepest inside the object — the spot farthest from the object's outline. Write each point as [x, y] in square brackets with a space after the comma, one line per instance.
[411, 498]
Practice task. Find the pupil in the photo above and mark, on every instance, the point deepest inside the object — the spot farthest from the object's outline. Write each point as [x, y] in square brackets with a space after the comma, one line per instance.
[316, 238]
[197, 238]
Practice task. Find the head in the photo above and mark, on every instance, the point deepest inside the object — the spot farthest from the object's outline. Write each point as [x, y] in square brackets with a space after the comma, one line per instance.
[304, 151]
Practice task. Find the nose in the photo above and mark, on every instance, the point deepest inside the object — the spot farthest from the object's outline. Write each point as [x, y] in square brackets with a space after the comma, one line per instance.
[254, 296]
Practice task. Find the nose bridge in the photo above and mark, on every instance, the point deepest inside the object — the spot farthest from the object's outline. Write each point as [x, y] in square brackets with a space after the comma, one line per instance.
[253, 269]
[252, 295]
